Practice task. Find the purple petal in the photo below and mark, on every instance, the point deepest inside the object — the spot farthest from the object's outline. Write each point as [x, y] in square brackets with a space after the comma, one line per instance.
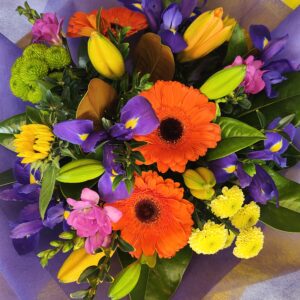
[280, 161]
[153, 9]
[273, 48]
[274, 123]
[93, 140]
[290, 130]
[296, 140]
[173, 39]
[26, 244]
[258, 34]
[109, 160]
[73, 131]
[261, 154]
[131, 4]
[26, 229]
[120, 132]
[106, 192]
[55, 215]
[275, 143]
[29, 213]
[282, 66]
[270, 78]
[172, 17]
[139, 116]
[10, 195]
[27, 192]
[244, 178]
[187, 7]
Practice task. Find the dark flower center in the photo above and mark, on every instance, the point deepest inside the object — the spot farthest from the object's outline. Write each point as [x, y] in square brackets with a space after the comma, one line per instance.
[170, 130]
[146, 211]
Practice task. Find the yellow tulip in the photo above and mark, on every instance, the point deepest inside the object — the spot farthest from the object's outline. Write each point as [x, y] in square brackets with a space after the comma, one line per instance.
[76, 263]
[205, 34]
[105, 56]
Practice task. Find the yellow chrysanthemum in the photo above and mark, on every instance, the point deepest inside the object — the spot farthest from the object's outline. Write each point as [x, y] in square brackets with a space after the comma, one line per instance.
[249, 243]
[210, 239]
[230, 239]
[247, 216]
[33, 143]
[226, 205]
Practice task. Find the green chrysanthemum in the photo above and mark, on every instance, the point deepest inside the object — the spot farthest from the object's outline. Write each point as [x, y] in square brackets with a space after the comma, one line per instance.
[18, 87]
[16, 67]
[57, 57]
[35, 51]
[58, 76]
[33, 69]
[35, 93]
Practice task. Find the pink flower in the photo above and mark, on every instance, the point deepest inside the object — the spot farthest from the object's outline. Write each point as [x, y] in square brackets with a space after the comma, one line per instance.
[253, 82]
[91, 221]
[47, 29]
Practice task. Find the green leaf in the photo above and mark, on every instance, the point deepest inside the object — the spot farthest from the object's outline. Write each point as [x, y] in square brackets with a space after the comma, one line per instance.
[47, 188]
[162, 281]
[286, 217]
[87, 273]
[8, 128]
[71, 190]
[236, 46]
[82, 294]
[288, 102]
[7, 177]
[80, 171]
[34, 115]
[236, 136]
[124, 246]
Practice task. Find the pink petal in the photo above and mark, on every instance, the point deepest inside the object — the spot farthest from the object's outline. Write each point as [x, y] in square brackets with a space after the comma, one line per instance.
[113, 213]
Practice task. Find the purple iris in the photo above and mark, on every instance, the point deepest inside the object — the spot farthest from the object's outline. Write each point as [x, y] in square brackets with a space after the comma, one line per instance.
[262, 187]
[80, 132]
[275, 144]
[269, 49]
[137, 118]
[227, 167]
[112, 169]
[25, 232]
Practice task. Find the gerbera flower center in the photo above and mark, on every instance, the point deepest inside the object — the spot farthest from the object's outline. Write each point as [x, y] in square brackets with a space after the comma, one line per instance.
[146, 211]
[171, 130]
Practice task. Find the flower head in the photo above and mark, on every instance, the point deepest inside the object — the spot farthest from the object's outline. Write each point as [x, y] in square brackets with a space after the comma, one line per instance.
[91, 221]
[185, 131]
[249, 243]
[253, 82]
[33, 69]
[205, 34]
[210, 239]
[35, 51]
[47, 29]
[33, 143]
[83, 24]
[230, 239]
[227, 204]
[247, 216]
[156, 218]
[57, 57]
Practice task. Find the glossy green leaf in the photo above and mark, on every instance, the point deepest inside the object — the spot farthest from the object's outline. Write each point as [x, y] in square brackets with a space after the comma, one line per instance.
[288, 102]
[236, 136]
[7, 177]
[47, 188]
[285, 217]
[162, 281]
[8, 128]
[80, 171]
[236, 46]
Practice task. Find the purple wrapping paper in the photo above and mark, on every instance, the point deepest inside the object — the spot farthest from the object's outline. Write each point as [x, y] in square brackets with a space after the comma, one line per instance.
[24, 274]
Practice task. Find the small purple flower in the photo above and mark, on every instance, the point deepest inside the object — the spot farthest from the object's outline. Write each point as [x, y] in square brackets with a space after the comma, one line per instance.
[270, 48]
[262, 187]
[47, 29]
[275, 144]
[253, 82]
[80, 132]
[137, 118]
[153, 10]
[91, 221]
[106, 180]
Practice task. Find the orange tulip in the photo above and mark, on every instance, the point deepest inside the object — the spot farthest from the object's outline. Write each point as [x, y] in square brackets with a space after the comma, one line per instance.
[206, 33]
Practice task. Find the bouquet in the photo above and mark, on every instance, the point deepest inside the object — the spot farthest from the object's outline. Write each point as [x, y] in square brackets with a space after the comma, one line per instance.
[166, 133]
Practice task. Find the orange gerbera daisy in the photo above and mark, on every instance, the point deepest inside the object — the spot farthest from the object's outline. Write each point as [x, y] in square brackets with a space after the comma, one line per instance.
[83, 24]
[185, 130]
[155, 218]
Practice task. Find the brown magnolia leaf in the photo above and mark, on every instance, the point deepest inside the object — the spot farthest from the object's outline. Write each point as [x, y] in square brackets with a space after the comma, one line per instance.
[151, 56]
[99, 98]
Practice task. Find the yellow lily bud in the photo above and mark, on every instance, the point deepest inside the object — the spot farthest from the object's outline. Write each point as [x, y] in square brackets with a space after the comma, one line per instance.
[105, 56]
[200, 182]
[76, 263]
[205, 34]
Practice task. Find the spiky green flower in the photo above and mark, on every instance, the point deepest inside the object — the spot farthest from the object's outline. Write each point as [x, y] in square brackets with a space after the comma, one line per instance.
[33, 69]
[57, 57]
[35, 93]
[16, 67]
[18, 87]
[35, 51]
